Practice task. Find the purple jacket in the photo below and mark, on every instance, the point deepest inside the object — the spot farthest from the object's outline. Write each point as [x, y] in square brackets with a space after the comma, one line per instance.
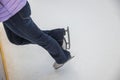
[8, 8]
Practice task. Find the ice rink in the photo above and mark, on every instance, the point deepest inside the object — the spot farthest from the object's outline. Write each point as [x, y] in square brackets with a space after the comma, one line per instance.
[95, 42]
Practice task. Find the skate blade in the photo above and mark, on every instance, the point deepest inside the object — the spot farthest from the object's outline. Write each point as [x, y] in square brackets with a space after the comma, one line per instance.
[67, 41]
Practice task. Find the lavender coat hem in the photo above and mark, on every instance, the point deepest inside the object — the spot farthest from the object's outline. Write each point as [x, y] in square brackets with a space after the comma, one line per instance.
[9, 8]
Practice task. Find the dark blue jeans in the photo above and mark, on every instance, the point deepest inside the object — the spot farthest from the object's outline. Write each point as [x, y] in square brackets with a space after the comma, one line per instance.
[23, 26]
[57, 34]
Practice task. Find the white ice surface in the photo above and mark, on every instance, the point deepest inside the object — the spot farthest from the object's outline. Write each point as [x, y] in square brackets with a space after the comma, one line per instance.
[95, 42]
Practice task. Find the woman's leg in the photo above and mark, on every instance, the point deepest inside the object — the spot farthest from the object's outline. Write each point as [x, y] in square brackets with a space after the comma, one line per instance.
[14, 38]
[57, 34]
[22, 25]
